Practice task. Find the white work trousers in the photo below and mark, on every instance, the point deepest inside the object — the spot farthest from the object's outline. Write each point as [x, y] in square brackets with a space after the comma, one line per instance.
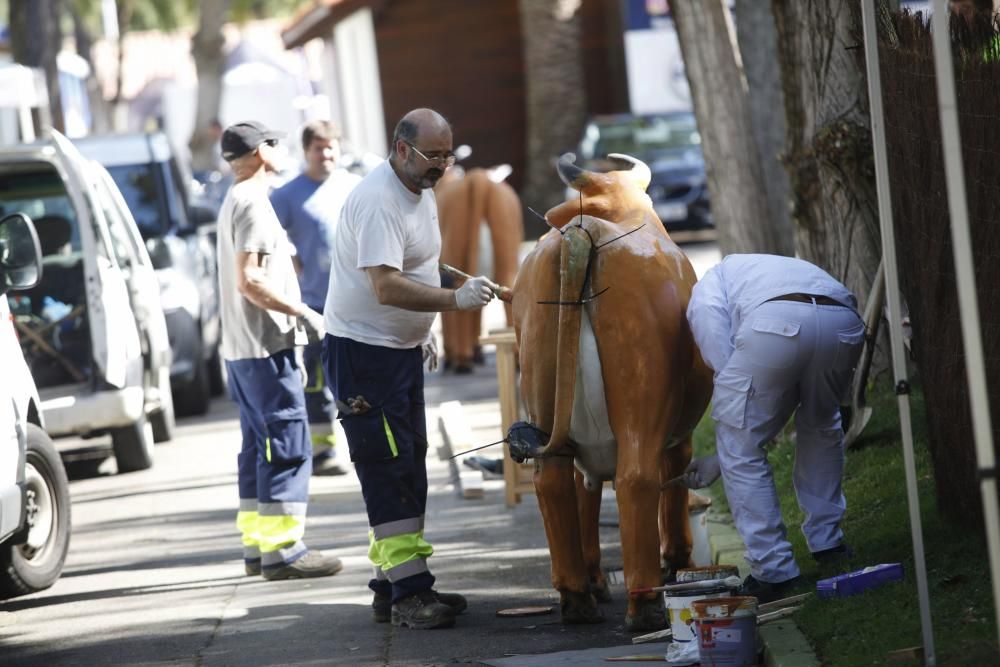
[786, 357]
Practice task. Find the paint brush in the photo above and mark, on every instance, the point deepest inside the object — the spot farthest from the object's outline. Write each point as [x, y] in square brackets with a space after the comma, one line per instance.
[670, 482]
[729, 582]
[505, 294]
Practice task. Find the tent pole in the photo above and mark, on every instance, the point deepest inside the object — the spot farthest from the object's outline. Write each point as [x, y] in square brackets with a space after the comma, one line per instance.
[895, 320]
[968, 302]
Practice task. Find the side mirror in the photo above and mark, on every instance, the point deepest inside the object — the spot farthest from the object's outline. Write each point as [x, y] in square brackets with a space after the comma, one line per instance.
[20, 253]
[202, 215]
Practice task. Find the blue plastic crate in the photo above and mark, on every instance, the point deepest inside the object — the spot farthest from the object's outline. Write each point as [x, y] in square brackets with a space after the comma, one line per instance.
[852, 583]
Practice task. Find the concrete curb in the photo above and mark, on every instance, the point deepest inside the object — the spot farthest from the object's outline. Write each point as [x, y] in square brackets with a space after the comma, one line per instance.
[784, 644]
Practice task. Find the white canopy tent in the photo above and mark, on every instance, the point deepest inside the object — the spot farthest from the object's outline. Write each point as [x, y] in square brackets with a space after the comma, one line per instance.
[968, 302]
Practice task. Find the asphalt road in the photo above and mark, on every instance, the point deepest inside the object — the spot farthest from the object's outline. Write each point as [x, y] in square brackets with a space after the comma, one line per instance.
[155, 576]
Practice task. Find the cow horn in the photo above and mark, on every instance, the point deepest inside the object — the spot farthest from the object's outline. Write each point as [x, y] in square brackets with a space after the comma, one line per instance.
[571, 175]
[639, 169]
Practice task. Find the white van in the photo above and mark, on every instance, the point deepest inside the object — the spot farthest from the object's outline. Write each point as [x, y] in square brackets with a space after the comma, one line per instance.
[92, 331]
[34, 492]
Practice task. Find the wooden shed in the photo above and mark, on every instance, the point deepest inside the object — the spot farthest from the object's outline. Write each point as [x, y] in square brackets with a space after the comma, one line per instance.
[464, 59]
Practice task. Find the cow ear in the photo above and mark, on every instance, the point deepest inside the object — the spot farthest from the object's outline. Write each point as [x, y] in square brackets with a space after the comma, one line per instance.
[572, 175]
[638, 169]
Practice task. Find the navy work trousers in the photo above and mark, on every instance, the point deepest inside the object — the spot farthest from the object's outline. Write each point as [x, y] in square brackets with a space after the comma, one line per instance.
[388, 445]
[275, 461]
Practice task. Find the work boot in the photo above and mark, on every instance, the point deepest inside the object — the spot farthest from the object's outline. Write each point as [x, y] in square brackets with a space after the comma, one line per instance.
[382, 604]
[422, 611]
[768, 592]
[842, 553]
[252, 567]
[312, 564]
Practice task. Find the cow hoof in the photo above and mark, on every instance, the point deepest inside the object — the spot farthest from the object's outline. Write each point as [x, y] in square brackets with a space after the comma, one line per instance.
[579, 608]
[600, 591]
[649, 616]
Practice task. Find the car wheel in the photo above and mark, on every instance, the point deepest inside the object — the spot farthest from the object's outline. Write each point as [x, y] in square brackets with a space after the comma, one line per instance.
[194, 397]
[37, 563]
[133, 445]
[163, 419]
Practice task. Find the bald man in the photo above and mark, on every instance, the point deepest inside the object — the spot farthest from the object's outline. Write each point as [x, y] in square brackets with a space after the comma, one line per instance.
[384, 293]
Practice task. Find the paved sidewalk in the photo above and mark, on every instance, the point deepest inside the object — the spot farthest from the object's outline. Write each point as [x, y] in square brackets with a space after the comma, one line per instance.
[496, 556]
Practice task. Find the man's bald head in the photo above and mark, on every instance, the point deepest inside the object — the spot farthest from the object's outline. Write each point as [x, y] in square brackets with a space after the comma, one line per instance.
[418, 123]
[421, 148]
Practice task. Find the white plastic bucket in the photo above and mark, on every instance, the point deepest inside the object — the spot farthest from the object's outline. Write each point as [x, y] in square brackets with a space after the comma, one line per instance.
[678, 603]
[679, 612]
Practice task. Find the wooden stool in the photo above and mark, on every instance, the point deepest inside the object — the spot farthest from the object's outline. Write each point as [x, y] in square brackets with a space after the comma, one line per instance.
[518, 477]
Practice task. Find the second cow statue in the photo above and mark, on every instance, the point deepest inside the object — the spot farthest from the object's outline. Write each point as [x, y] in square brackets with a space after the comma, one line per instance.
[479, 201]
[609, 368]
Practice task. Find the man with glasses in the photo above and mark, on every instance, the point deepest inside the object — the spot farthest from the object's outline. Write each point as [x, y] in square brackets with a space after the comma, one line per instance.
[263, 319]
[383, 297]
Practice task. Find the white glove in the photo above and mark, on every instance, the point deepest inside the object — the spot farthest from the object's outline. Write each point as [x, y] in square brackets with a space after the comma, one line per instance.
[475, 293]
[312, 322]
[430, 350]
[702, 472]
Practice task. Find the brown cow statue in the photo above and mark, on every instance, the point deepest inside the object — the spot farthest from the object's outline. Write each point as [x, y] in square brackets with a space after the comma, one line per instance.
[613, 383]
[465, 204]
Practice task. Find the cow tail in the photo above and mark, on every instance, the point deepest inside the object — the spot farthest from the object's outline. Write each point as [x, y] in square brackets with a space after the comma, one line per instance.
[574, 259]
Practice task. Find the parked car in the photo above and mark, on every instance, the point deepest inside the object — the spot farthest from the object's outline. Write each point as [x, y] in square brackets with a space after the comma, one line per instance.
[92, 330]
[179, 238]
[670, 144]
[34, 492]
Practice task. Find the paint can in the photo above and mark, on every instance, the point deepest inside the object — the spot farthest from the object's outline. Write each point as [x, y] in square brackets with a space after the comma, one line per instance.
[727, 631]
[678, 603]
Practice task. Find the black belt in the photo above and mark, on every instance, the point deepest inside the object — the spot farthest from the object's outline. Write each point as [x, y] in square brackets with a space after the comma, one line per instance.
[809, 298]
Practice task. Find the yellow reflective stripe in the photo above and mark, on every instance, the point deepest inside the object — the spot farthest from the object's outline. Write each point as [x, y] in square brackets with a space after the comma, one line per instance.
[324, 439]
[279, 531]
[398, 549]
[318, 386]
[247, 524]
[267, 449]
[389, 436]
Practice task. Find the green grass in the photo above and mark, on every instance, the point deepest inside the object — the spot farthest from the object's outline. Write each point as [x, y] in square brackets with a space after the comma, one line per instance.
[863, 629]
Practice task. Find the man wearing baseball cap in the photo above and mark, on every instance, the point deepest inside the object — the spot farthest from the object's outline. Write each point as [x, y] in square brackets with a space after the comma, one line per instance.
[263, 319]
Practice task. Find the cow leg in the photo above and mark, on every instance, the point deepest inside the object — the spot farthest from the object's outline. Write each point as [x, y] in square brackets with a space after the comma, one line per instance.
[638, 490]
[556, 490]
[675, 529]
[589, 508]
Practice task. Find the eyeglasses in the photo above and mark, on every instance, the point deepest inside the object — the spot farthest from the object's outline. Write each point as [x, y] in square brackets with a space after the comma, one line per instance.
[448, 159]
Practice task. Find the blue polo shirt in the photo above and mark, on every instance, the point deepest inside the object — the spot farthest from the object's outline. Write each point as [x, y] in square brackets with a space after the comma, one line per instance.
[309, 210]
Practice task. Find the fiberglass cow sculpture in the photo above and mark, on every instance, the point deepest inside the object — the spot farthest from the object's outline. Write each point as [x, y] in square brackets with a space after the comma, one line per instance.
[481, 230]
[611, 376]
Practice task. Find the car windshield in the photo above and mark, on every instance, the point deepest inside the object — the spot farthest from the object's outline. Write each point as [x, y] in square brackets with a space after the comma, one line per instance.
[140, 187]
[641, 135]
[41, 195]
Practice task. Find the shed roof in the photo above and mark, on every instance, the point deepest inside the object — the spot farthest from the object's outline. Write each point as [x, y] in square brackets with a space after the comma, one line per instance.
[319, 19]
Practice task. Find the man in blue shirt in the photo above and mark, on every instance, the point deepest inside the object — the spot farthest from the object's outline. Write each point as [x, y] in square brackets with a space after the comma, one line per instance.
[308, 207]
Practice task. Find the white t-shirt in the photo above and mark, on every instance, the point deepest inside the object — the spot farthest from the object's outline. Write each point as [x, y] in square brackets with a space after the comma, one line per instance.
[382, 223]
[247, 223]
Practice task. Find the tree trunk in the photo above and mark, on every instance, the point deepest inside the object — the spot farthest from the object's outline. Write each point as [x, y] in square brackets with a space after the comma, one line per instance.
[759, 50]
[206, 47]
[721, 104]
[829, 158]
[556, 98]
[36, 39]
